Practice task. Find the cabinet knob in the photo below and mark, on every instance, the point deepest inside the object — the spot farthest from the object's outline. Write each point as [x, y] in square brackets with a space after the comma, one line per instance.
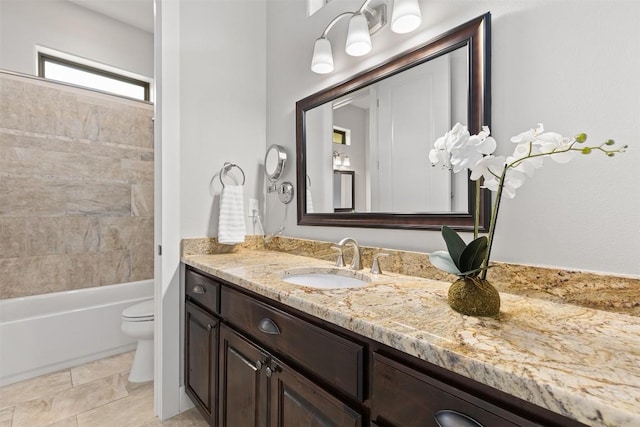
[268, 326]
[210, 327]
[198, 289]
[450, 418]
[258, 365]
[272, 368]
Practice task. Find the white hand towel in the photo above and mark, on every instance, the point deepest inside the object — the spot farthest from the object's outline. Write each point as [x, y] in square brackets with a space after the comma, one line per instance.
[309, 201]
[231, 224]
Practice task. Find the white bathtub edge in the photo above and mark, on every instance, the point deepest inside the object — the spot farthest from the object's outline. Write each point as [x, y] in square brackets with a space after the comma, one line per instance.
[77, 327]
[70, 363]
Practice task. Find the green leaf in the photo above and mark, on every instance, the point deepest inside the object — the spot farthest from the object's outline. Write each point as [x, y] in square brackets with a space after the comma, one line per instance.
[473, 255]
[443, 261]
[455, 244]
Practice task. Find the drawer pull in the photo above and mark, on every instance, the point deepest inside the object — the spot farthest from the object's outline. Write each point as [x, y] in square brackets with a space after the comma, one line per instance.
[449, 418]
[268, 326]
[198, 289]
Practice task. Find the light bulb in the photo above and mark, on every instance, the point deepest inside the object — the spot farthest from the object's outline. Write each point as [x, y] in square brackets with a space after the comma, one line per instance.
[406, 16]
[358, 38]
[322, 61]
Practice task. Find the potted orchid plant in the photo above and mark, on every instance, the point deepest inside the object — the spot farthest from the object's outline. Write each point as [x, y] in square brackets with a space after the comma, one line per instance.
[472, 294]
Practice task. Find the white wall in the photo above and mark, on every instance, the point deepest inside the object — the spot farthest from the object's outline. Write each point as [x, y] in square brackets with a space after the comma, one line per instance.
[223, 101]
[572, 65]
[211, 83]
[72, 29]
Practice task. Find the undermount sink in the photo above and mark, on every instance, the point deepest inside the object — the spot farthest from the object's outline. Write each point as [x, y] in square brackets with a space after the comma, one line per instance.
[325, 278]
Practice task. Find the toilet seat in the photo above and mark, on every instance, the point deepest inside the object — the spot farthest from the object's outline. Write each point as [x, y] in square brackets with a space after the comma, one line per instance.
[141, 312]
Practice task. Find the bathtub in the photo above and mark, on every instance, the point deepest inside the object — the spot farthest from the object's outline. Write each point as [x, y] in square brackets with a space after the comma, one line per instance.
[44, 333]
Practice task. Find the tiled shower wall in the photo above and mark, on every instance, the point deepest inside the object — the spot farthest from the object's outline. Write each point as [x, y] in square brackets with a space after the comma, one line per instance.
[76, 188]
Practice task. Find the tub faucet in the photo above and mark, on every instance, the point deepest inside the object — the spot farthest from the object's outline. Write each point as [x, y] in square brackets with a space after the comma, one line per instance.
[355, 262]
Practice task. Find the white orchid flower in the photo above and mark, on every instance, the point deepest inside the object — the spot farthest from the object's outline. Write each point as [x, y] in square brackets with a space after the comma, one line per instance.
[557, 146]
[439, 153]
[504, 176]
[456, 137]
[483, 142]
[513, 180]
[523, 164]
[489, 167]
[462, 149]
[465, 158]
[528, 136]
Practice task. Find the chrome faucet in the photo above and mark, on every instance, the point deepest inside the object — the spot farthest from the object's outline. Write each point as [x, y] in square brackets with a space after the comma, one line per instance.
[355, 262]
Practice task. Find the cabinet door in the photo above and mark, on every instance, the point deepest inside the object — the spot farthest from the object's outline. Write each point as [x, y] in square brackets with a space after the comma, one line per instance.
[295, 401]
[243, 385]
[201, 359]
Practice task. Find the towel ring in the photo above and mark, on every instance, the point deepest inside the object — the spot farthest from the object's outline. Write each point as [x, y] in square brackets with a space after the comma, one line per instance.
[226, 168]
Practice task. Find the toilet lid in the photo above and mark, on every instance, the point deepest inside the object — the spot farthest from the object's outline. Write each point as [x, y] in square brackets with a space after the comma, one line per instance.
[139, 312]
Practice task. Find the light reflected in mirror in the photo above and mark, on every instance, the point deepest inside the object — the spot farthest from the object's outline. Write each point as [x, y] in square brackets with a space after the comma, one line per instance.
[384, 122]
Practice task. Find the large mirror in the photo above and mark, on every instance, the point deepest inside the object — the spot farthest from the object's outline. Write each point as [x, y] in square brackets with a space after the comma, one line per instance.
[377, 129]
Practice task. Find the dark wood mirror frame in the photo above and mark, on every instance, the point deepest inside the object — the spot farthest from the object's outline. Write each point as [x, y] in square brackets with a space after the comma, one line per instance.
[476, 35]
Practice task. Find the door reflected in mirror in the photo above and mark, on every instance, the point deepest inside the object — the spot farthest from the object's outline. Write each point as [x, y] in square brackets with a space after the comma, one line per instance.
[343, 191]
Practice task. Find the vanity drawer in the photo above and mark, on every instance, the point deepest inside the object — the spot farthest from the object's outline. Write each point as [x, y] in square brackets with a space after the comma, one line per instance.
[404, 397]
[336, 361]
[202, 290]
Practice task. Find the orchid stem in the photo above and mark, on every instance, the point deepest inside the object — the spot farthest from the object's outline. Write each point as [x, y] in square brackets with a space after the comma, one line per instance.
[476, 218]
[492, 225]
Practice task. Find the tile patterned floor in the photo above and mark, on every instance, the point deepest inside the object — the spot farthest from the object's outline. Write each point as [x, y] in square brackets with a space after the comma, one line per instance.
[96, 394]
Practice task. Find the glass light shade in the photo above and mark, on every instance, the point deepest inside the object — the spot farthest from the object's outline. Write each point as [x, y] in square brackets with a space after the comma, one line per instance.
[322, 61]
[346, 161]
[336, 160]
[406, 16]
[358, 38]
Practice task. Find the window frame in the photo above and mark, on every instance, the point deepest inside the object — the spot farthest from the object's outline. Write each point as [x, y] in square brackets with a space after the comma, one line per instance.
[45, 57]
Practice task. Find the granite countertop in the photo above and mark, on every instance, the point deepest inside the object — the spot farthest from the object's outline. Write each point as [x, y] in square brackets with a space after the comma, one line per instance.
[575, 361]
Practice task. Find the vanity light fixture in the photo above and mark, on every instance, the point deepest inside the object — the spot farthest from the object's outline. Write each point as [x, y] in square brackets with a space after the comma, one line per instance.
[406, 16]
[340, 159]
[364, 22]
[337, 159]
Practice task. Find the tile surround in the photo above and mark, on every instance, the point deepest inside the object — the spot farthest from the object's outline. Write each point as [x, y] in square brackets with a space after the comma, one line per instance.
[76, 188]
[603, 292]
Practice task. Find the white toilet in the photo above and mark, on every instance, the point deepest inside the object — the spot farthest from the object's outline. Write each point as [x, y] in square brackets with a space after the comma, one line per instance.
[137, 322]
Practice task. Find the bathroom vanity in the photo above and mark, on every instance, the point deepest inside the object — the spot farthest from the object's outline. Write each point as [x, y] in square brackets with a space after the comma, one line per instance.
[262, 352]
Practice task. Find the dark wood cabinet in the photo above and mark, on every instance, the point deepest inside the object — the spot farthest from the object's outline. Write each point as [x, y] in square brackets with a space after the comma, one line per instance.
[201, 359]
[405, 397]
[254, 362]
[332, 359]
[295, 401]
[257, 389]
[243, 383]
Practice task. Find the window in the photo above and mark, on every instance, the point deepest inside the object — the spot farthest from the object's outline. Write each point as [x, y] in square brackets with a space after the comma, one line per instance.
[75, 73]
